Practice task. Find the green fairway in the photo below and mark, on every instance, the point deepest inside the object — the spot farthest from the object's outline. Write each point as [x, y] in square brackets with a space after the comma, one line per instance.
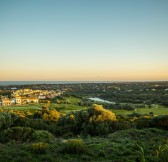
[67, 107]
[31, 107]
[72, 105]
[156, 111]
[73, 100]
[62, 107]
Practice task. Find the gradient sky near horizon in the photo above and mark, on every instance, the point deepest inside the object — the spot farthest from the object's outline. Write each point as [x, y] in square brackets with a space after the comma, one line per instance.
[83, 40]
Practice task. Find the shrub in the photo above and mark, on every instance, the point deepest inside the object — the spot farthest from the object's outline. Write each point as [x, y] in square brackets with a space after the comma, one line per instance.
[124, 124]
[7, 119]
[39, 147]
[160, 122]
[74, 146]
[18, 134]
[163, 153]
[100, 122]
[93, 121]
[134, 114]
[42, 135]
[47, 114]
[143, 123]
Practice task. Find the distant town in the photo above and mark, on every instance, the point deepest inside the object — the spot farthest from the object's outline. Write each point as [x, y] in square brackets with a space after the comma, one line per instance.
[25, 96]
[142, 93]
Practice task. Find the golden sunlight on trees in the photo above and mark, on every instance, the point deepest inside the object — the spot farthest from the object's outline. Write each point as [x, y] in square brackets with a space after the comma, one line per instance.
[52, 115]
[99, 114]
[47, 114]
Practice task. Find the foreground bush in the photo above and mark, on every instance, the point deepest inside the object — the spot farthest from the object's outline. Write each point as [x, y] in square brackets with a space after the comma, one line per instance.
[23, 134]
[162, 153]
[42, 135]
[7, 119]
[74, 146]
[39, 147]
[160, 122]
[143, 122]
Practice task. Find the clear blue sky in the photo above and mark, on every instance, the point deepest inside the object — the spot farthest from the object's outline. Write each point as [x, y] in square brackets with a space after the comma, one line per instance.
[83, 40]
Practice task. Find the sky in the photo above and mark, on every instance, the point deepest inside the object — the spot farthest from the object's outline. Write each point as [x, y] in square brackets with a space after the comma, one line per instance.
[83, 40]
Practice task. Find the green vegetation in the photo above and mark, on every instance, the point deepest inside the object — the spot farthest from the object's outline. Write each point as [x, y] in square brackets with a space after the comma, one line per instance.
[74, 146]
[68, 104]
[39, 148]
[125, 146]
[157, 111]
[94, 134]
[28, 107]
[71, 127]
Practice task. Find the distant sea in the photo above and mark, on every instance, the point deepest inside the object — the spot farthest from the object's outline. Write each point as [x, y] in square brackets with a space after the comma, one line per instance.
[6, 83]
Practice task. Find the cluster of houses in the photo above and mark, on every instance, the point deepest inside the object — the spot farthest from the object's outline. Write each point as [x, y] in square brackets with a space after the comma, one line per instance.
[5, 101]
[25, 96]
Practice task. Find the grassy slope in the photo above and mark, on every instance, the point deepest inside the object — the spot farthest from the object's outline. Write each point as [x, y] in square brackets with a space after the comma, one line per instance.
[120, 146]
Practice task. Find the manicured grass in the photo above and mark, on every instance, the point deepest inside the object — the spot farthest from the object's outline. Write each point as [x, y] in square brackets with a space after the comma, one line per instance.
[62, 107]
[156, 111]
[73, 100]
[73, 106]
[67, 107]
[30, 107]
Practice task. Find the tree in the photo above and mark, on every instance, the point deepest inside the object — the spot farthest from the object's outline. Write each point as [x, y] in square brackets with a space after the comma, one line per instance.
[98, 114]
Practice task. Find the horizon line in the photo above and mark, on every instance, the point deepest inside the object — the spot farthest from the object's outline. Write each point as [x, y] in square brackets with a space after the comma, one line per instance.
[84, 81]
